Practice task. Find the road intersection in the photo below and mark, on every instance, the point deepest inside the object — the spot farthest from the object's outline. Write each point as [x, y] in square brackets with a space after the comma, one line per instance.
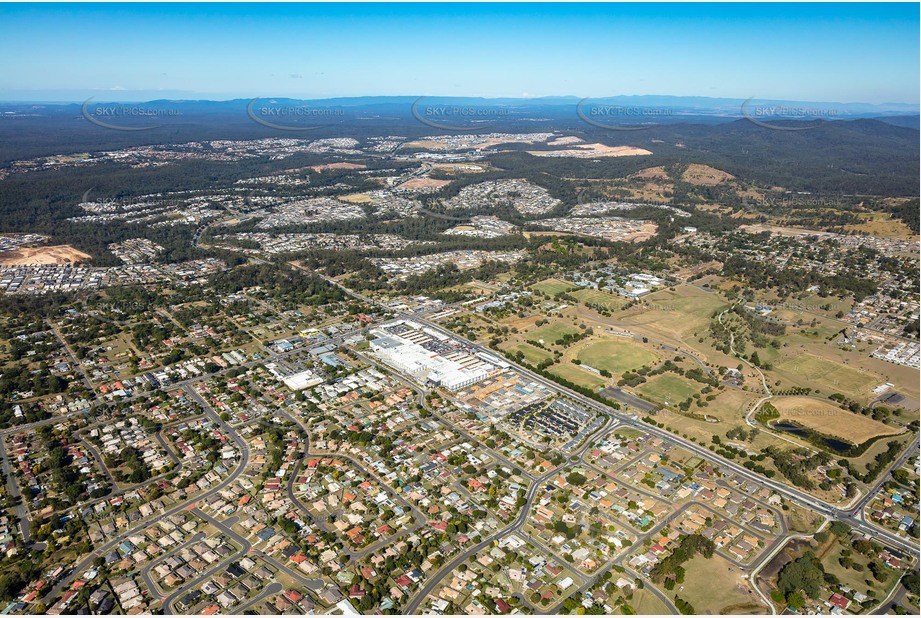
[852, 514]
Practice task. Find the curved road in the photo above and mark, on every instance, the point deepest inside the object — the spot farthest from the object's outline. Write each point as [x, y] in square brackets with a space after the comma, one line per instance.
[802, 498]
[413, 606]
[84, 564]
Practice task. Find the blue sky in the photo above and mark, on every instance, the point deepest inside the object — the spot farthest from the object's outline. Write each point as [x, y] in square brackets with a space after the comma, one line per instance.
[806, 52]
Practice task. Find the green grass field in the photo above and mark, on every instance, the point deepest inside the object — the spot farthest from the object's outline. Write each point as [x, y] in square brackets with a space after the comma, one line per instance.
[616, 355]
[668, 388]
[863, 462]
[799, 320]
[603, 299]
[531, 354]
[849, 577]
[828, 376]
[553, 331]
[552, 286]
[714, 586]
[628, 433]
[645, 603]
[577, 376]
[678, 313]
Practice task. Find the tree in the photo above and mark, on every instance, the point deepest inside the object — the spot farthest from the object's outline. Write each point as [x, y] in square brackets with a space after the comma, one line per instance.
[805, 574]
[840, 529]
[911, 581]
[796, 599]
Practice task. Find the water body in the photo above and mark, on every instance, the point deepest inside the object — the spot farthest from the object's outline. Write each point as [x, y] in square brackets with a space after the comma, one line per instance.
[839, 446]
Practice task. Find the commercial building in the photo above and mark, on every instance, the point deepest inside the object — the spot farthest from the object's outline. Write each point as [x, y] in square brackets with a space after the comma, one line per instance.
[428, 356]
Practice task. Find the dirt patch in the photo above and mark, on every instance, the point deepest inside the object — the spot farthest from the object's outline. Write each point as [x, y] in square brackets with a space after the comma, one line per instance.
[792, 550]
[645, 232]
[742, 608]
[591, 151]
[475, 143]
[779, 230]
[337, 166]
[883, 225]
[683, 274]
[424, 183]
[460, 168]
[355, 198]
[522, 324]
[565, 141]
[826, 547]
[55, 254]
[705, 175]
[651, 173]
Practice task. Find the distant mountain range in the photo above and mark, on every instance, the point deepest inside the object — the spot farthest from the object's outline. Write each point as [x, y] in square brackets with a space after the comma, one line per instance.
[860, 149]
[680, 106]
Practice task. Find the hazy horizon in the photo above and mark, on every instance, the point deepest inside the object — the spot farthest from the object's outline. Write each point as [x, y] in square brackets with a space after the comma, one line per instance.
[108, 96]
[858, 52]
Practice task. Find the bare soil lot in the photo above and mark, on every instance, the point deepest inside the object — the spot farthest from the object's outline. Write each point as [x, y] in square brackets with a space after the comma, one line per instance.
[591, 151]
[651, 173]
[55, 254]
[337, 166]
[424, 183]
[704, 175]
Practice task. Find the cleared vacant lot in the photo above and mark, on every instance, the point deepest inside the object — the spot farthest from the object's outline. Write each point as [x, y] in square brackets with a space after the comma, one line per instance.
[830, 552]
[645, 603]
[531, 354]
[616, 355]
[590, 151]
[337, 166]
[882, 224]
[705, 175]
[830, 420]
[56, 254]
[676, 314]
[356, 198]
[424, 183]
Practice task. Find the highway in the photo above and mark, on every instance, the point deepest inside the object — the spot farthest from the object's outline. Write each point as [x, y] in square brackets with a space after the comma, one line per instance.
[851, 514]
[802, 498]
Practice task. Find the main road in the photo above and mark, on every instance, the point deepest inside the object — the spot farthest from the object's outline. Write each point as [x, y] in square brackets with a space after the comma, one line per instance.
[846, 514]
